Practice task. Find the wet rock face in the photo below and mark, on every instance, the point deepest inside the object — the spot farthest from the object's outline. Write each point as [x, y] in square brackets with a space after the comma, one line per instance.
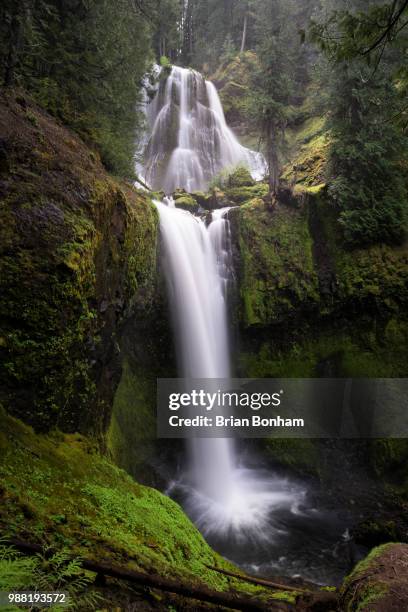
[379, 583]
[77, 258]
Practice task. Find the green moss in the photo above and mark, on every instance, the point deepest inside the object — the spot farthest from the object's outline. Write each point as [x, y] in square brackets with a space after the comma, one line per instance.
[66, 476]
[186, 202]
[78, 252]
[308, 146]
[132, 430]
[369, 596]
[240, 177]
[366, 563]
[378, 582]
[57, 489]
[202, 198]
[377, 275]
[298, 454]
[354, 348]
[244, 194]
[277, 273]
[372, 590]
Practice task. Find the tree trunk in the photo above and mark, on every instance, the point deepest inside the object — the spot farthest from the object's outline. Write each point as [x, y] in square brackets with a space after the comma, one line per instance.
[16, 41]
[244, 33]
[272, 160]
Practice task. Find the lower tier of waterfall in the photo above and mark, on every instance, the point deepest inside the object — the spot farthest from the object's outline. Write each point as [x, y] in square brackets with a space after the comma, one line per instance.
[249, 514]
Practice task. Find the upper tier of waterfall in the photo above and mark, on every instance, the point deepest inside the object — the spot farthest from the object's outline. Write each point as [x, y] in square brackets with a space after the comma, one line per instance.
[190, 141]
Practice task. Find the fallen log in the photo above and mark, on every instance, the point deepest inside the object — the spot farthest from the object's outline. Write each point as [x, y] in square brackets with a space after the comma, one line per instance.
[258, 581]
[139, 180]
[200, 593]
[305, 600]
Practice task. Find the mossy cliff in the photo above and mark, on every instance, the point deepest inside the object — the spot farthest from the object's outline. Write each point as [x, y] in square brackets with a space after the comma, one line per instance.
[77, 259]
[307, 306]
[147, 349]
[233, 82]
[311, 307]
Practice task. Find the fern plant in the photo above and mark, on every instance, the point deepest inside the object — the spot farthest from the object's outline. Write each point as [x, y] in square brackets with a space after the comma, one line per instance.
[41, 572]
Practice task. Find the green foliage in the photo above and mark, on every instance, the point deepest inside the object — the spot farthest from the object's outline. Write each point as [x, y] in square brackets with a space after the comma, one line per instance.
[361, 30]
[366, 182]
[364, 92]
[109, 517]
[56, 572]
[83, 62]
[165, 64]
[238, 176]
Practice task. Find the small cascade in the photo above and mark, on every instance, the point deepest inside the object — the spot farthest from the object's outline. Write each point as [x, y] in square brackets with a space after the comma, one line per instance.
[190, 141]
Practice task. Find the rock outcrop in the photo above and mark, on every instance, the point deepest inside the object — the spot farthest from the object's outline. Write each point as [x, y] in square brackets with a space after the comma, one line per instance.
[77, 259]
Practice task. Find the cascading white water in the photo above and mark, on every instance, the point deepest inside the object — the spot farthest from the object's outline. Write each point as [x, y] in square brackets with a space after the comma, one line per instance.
[197, 301]
[234, 506]
[221, 496]
[190, 141]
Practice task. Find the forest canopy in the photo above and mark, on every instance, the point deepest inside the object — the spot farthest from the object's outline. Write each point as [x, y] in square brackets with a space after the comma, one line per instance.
[85, 62]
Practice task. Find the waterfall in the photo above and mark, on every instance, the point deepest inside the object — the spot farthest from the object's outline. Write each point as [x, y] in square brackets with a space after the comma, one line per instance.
[193, 257]
[248, 514]
[190, 141]
[221, 496]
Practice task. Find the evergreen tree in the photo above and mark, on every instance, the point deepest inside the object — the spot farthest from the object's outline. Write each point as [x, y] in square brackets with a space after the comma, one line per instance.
[84, 61]
[272, 85]
[366, 105]
[365, 177]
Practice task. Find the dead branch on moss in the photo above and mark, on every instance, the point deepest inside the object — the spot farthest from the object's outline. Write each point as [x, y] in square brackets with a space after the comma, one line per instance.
[229, 600]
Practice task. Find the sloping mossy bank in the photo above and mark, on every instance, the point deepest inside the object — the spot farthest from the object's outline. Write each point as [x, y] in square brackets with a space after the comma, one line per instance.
[77, 258]
[57, 490]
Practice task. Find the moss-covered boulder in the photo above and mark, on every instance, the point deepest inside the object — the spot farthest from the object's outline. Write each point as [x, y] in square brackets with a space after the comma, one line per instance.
[240, 177]
[203, 199]
[244, 194]
[379, 583]
[77, 257]
[218, 199]
[186, 202]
